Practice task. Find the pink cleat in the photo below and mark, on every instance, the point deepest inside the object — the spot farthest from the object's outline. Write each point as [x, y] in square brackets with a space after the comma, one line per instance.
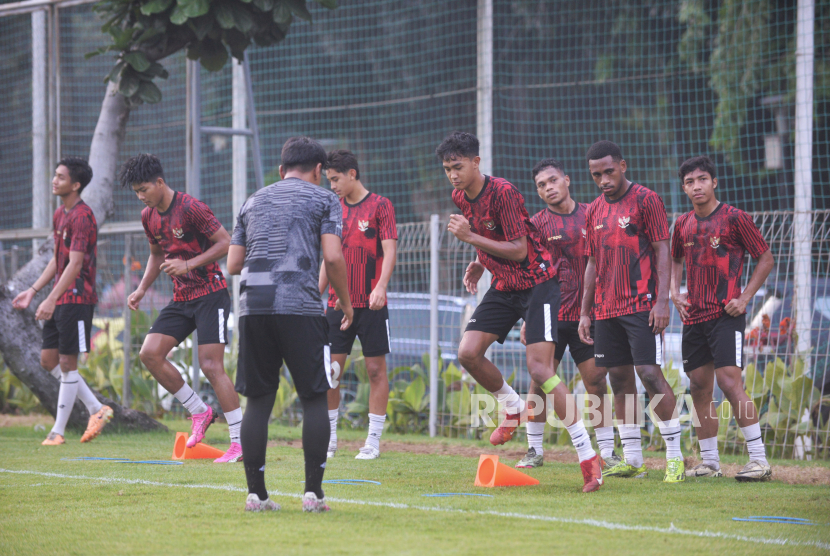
[233, 454]
[201, 422]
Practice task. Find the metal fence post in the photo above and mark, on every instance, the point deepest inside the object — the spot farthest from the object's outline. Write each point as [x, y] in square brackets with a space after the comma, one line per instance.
[128, 333]
[434, 238]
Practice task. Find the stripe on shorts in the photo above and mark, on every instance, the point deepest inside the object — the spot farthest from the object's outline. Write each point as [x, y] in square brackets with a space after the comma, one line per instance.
[548, 330]
[221, 326]
[81, 337]
[739, 342]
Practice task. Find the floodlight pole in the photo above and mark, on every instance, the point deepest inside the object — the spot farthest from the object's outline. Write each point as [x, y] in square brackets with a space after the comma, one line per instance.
[484, 103]
[434, 241]
[41, 194]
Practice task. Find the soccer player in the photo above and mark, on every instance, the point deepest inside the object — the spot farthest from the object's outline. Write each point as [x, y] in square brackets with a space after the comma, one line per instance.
[276, 245]
[713, 238]
[562, 229]
[507, 244]
[370, 240]
[69, 307]
[627, 285]
[185, 240]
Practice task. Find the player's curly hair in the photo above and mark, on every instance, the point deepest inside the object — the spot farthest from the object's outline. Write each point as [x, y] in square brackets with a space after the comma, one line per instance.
[342, 161]
[601, 149]
[458, 144]
[141, 168]
[79, 170]
[547, 163]
[703, 163]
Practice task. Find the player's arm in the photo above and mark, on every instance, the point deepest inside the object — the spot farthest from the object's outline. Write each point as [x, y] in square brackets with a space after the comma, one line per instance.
[658, 318]
[474, 272]
[236, 259]
[737, 307]
[679, 299]
[377, 299]
[150, 274]
[336, 271]
[323, 280]
[73, 268]
[515, 250]
[24, 298]
[220, 239]
[588, 301]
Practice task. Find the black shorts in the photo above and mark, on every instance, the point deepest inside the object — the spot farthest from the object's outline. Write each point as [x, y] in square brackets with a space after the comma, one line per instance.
[627, 340]
[207, 315]
[720, 339]
[70, 329]
[569, 338]
[266, 341]
[499, 311]
[372, 327]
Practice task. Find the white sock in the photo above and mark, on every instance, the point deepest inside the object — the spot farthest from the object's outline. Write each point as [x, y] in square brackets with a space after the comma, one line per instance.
[535, 435]
[670, 431]
[66, 400]
[754, 443]
[56, 372]
[87, 396]
[333, 414]
[581, 441]
[632, 444]
[234, 419]
[709, 451]
[509, 399]
[605, 441]
[190, 400]
[375, 430]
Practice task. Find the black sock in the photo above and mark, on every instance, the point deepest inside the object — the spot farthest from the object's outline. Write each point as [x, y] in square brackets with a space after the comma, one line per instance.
[254, 437]
[316, 433]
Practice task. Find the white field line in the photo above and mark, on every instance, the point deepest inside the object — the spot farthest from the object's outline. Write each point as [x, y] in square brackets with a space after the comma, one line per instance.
[671, 530]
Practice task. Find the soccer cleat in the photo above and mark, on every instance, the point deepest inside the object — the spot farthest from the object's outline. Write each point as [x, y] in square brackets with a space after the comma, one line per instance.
[675, 471]
[233, 454]
[625, 470]
[531, 460]
[201, 422]
[610, 461]
[754, 471]
[54, 439]
[97, 423]
[591, 474]
[367, 452]
[506, 430]
[312, 504]
[254, 504]
[332, 449]
[705, 470]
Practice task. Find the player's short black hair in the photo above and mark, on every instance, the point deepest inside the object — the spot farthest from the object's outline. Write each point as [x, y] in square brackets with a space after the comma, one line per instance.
[547, 163]
[79, 170]
[458, 144]
[141, 168]
[601, 149]
[342, 161]
[302, 153]
[703, 163]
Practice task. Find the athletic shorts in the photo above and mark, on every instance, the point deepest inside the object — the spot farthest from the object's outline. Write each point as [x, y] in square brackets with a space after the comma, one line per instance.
[207, 315]
[372, 327]
[569, 338]
[499, 311]
[266, 341]
[720, 339]
[626, 340]
[70, 329]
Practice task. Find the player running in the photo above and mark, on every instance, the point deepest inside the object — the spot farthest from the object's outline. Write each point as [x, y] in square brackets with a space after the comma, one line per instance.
[524, 286]
[69, 307]
[713, 238]
[370, 240]
[627, 286]
[562, 229]
[185, 240]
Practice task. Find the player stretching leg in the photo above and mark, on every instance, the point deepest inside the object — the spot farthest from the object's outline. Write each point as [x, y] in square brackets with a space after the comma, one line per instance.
[68, 309]
[713, 238]
[186, 240]
[562, 229]
[370, 240]
[496, 223]
[628, 273]
[279, 234]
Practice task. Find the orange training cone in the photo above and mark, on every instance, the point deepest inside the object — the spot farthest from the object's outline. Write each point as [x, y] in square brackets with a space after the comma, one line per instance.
[199, 451]
[491, 473]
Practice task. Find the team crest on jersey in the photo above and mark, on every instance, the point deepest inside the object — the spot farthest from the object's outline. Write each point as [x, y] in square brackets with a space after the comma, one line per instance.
[362, 225]
[584, 233]
[623, 221]
[178, 233]
[489, 224]
[714, 242]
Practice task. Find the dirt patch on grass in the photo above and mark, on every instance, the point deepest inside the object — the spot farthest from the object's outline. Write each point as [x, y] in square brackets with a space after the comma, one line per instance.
[25, 420]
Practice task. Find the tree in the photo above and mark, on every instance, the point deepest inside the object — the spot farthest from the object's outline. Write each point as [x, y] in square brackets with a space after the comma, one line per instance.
[142, 32]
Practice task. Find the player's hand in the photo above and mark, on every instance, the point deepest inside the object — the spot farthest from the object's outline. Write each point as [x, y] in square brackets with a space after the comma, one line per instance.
[523, 334]
[681, 302]
[135, 298]
[348, 317]
[46, 309]
[377, 299]
[473, 274]
[22, 300]
[658, 318]
[175, 267]
[460, 228]
[585, 330]
[735, 307]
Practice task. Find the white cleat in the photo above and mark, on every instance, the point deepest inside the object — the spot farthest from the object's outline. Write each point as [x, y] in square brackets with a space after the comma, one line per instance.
[367, 452]
[312, 504]
[331, 450]
[704, 470]
[254, 504]
[754, 471]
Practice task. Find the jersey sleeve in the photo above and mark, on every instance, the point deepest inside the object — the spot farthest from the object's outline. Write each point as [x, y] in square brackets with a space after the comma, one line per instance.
[676, 241]
[202, 218]
[240, 232]
[747, 234]
[654, 218]
[145, 221]
[82, 232]
[332, 218]
[509, 206]
[387, 227]
[590, 231]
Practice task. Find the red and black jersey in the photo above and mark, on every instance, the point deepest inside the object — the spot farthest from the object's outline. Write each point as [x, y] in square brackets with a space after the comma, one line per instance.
[183, 232]
[714, 248]
[498, 212]
[564, 236]
[76, 230]
[620, 234]
[365, 224]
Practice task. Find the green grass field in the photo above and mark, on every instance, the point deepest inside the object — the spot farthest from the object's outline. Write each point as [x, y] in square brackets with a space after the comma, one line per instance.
[52, 506]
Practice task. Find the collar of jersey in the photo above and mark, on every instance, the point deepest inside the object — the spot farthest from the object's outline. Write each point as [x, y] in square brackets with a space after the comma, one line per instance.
[574, 211]
[711, 214]
[627, 191]
[480, 193]
[348, 204]
[173, 202]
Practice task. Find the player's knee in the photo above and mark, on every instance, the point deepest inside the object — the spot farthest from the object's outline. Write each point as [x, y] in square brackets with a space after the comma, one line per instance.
[67, 363]
[48, 362]
[728, 383]
[596, 384]
[699, 389]
[376, 371]
[212, 367]
[652, 381]
[150, 357]
[620, 383]
[468, 357]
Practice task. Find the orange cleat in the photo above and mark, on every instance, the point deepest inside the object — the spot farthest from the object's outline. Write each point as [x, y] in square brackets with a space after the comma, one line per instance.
[97, 423]
[592, 474]
[507, 429]
[54, 439]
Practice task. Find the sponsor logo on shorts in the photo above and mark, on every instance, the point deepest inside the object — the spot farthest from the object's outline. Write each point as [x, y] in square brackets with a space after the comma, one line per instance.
[714, 242]
[489, 224]
[623, 222]
[362, 225]
[685, 361]
[472, 320]
[599, 355]
[178, 233]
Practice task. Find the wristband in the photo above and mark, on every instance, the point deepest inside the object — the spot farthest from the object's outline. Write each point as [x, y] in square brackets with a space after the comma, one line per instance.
[33, 288]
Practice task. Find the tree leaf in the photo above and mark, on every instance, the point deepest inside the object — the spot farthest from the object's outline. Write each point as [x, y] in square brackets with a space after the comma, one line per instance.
[155, 6]
[330, 4]
[264, 5]
[224, 15]
[157, 70]
[201, 26]
[115, 71]
[243, 20]
[178, 17]
[237, 42]
[96, 52]
[298, 8]
[196, 8]
[214, 55]
[137, 60]
[282, 14]
[149, 93]
[128, 86]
